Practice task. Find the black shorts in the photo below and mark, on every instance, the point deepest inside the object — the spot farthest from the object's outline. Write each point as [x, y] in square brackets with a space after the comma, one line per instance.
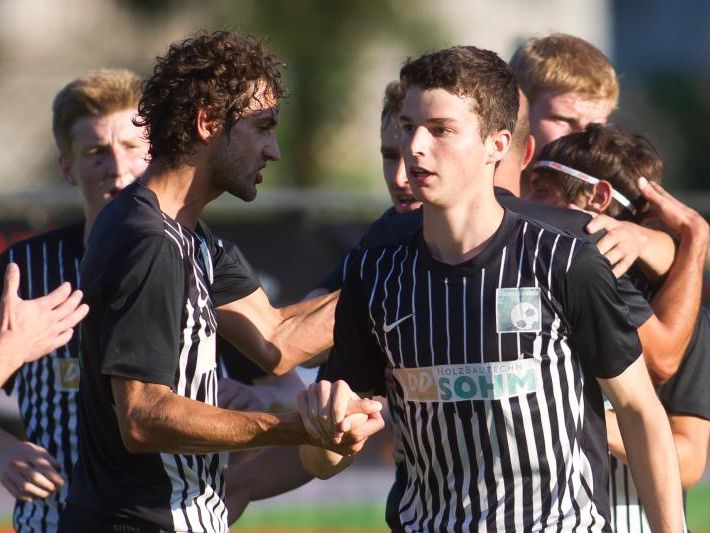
[77, 520]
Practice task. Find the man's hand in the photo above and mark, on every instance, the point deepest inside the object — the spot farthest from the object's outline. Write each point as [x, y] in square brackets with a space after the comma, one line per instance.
[28, 471]
[677, 217]
[622, 243]
[338, 418]
[30, 329]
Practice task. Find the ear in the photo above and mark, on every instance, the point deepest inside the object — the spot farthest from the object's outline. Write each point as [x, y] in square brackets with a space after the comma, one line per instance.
[497, 145]
[207, 127]
[601, 196]
[529, 152]
[65, 168]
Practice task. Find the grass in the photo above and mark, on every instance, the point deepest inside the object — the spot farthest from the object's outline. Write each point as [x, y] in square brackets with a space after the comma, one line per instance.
[369, 518]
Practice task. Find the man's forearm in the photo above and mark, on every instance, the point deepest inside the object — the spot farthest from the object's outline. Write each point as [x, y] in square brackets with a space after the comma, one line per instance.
[677, 302]
[306, 329]
[153, 419]
[321, 463]
[653, 461]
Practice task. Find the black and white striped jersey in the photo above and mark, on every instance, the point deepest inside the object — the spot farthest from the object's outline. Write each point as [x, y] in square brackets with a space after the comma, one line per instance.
[46, 389]
[152, 286]
[494, 363]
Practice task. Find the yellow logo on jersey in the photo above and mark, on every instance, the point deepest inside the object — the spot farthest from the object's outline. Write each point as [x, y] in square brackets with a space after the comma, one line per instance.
[66, 374]
[478, 381]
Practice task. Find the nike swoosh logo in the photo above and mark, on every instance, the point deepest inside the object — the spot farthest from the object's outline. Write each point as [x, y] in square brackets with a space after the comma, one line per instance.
[389, 327]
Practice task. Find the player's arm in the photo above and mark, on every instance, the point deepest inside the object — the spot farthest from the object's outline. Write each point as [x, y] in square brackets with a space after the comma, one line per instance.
[624, 243]
[691, 435]
[27, 471]
[266, 393]
[666, 335]
[278, 339]
[153, 419]
[30, 329]
[246, 482]
[324, 410]
[649, 445]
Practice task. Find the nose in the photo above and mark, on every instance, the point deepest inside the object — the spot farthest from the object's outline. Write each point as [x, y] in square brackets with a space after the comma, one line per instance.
[119, 168]
[415, 141]
[272, 152]
[400, 175]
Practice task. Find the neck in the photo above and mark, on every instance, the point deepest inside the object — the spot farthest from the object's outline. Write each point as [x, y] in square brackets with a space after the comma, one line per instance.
[460, 232]
[181, 191]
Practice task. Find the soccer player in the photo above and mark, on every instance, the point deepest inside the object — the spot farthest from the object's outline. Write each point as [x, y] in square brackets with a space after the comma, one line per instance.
[499, 333]
[152, 443]
[100, 152]
[597, 170]
[30, 329]
[570, 84]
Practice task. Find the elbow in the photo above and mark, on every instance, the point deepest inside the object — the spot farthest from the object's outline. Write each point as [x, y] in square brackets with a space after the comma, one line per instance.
[133, 435]
[661, 367]
[691, 470]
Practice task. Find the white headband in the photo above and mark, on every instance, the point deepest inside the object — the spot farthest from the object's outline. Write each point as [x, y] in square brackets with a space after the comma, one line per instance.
[586, 178]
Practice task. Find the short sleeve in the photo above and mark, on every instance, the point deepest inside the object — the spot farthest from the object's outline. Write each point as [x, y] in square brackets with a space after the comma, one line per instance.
[356, 356]
[686, 393]
[602, 331]
[233, 276]
[144, 293]
[639, 308]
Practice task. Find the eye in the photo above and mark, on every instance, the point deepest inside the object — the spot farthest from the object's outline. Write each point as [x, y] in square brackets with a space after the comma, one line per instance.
[440, 131]
[407, 127]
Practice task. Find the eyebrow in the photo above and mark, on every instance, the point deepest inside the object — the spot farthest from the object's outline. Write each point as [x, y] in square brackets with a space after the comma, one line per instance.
[438, 121]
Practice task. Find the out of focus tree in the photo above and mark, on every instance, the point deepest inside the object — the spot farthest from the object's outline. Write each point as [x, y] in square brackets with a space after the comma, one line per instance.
[321, 42]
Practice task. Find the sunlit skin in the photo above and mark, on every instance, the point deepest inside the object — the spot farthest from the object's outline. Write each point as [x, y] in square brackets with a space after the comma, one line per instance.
[239, 154]
[393, 167]
[556, 114]
[107, 154]
[443, 151]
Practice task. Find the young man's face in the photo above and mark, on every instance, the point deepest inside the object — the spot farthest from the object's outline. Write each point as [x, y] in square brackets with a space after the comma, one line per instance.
[393, 167]
[556, 114]
[107, 153]
[442, 148]
[240, 154]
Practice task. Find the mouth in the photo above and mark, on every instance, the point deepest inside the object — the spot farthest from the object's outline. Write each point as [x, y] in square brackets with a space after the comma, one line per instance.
[258, 177]
[418, 175]
[405, 202]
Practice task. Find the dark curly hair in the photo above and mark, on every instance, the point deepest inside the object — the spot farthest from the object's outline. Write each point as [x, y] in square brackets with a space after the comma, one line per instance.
[472, 72]
[220, 72]
[606, 153]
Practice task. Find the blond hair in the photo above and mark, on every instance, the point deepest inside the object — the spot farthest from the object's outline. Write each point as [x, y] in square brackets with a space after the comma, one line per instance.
[98, 93]
[564, 63]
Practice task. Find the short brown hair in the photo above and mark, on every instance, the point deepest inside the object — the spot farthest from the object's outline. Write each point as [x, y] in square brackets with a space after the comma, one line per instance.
[472, 72]
[220, 72]
[564, 63]
[392, 102]
[98, 93]
[606, 153]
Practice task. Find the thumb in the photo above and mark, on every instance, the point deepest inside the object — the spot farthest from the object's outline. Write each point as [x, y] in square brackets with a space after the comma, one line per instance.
[12, 281]
[363, 405]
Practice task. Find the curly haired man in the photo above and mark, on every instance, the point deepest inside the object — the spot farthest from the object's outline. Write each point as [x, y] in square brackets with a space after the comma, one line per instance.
[152, 441]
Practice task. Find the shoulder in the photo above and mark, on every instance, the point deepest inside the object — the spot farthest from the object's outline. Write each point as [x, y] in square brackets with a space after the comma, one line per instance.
[566, 220]
[366, 260]
[71, 233]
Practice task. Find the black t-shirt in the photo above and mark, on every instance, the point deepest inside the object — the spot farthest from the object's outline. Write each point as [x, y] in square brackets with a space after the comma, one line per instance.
[392, 225]
[152, 286]
[503, 347]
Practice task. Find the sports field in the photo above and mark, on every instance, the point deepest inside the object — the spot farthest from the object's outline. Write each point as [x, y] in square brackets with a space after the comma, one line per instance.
[369, 517]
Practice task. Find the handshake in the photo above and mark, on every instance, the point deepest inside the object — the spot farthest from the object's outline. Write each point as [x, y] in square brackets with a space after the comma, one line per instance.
[337, 419]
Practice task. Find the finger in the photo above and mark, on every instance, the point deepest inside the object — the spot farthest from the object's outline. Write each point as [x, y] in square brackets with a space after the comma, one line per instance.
[45, 477]
[363, 405]
[307, 413]
[57, 296]
[600, 222]
[615, 255]
[621, 267]
[606, 243]
[30, 491]
[12, 282]
[74, 317]
[69, 305]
